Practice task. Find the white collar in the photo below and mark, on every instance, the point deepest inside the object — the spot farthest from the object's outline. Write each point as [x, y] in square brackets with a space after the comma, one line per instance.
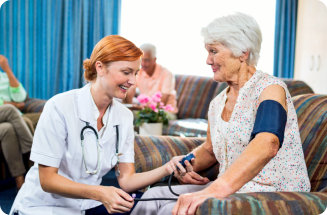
[86, 106]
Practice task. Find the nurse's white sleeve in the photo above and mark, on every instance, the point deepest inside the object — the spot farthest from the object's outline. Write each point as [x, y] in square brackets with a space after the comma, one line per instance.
[49, 143]
[128, 146]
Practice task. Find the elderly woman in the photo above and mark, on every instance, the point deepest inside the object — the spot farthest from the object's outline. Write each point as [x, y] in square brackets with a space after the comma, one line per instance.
[252, 132]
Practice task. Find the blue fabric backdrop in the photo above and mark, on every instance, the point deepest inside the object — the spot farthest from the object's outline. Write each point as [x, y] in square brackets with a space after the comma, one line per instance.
[46, 41]
[285, 34]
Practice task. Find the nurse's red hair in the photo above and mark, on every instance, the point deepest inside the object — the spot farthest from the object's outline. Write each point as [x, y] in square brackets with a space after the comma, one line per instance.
[109, 49]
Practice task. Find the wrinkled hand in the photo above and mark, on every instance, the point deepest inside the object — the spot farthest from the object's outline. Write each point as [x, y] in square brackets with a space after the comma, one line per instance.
[193, 178]
[3, 62]
[187, 204]
[116, 200]
[19, 105]
[185, 175]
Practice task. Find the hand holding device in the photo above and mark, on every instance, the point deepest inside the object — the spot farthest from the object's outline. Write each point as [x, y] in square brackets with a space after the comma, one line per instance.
[188, 158]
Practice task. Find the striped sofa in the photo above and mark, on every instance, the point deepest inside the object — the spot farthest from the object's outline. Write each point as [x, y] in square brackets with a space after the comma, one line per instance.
[33, 105]
[154, 151]
[194, 94]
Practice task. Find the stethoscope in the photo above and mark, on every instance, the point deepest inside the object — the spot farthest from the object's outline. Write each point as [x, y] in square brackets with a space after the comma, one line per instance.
[117, 154]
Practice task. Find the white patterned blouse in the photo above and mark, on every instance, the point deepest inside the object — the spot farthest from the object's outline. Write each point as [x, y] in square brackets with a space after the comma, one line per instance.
[287, 170]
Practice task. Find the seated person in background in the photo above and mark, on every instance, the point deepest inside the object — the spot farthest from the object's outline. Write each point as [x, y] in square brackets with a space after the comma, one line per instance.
[12, 92]
[15, 137]
[252, 132]
[15, 140]
[153, 78]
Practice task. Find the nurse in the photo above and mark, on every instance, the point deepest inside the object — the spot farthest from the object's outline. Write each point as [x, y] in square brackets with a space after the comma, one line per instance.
[84, 133]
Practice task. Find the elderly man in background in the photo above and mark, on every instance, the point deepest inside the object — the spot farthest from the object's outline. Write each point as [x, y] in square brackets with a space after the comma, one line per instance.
[153, 78]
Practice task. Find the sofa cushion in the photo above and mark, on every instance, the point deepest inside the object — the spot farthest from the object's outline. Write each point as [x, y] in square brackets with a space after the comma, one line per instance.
[33, 105]
[266, 203]
[187, 128]
[311, 110]
[297, 87]
[194, 94]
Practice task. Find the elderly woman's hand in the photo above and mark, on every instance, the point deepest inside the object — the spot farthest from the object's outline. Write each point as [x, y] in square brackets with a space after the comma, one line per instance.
[188, 203]
[193, 178]
[185, 175]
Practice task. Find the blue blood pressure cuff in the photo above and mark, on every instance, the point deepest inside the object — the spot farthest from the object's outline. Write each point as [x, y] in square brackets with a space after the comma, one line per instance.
[271, 117]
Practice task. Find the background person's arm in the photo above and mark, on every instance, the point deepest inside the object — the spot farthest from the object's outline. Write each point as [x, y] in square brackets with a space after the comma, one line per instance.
[129, 95]
[164, 98]
[16, 90]
[6, 68]
[19, 105]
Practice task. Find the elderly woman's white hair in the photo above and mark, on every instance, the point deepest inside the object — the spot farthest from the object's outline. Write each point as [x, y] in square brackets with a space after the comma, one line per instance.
[238, 32]
[148, 47]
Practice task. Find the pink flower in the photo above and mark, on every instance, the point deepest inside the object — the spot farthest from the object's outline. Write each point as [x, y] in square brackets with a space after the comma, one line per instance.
[153, 106]
[143, 99]
[157, 97]
[168, 108]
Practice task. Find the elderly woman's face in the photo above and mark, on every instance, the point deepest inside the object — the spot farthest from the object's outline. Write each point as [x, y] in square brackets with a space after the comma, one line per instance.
[224, 64]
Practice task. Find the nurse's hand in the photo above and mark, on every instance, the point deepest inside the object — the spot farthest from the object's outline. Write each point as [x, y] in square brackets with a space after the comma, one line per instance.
[174, 166]
[115, 200]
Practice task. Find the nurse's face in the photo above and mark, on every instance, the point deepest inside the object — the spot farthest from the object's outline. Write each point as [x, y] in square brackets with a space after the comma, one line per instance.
[118, 77]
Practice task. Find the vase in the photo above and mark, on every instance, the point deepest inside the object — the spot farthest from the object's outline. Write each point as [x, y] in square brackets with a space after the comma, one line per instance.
[147, 129]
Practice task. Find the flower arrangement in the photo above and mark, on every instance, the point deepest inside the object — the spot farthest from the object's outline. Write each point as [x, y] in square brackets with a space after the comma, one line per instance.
[152, 110]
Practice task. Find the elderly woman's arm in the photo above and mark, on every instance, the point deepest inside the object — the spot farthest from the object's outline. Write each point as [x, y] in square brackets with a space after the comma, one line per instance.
[253, 159]
[204, 156]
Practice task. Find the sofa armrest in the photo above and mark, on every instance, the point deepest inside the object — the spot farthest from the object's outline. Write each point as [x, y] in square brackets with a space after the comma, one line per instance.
[266, 203]
[154, 151]
[33, 105]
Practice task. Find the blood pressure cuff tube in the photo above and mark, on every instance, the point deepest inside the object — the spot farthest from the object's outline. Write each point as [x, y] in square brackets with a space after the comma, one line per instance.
[271, 117]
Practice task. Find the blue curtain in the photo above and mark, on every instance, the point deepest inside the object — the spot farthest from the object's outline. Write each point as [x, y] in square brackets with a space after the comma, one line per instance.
[46, 41]
[285, 34]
